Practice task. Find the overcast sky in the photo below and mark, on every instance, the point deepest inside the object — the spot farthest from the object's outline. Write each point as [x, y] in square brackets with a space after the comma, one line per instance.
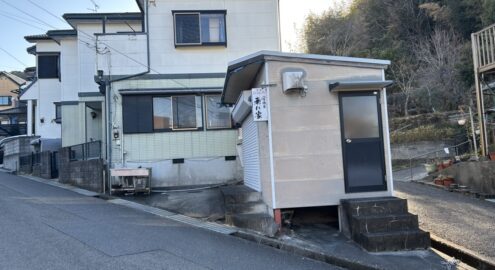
[19, 18]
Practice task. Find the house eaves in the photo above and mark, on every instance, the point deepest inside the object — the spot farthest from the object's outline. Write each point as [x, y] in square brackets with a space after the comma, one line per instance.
[36, 38]
[74, 18]
[58, 35]
[31, 50]
[242, 72]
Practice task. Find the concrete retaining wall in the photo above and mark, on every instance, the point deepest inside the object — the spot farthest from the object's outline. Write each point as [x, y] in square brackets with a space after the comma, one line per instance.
[479, 176]
[87, 174]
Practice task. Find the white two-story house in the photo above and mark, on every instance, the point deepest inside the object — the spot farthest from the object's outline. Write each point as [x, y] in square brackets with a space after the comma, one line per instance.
[163, 86]
[150, 83]
[64, 102]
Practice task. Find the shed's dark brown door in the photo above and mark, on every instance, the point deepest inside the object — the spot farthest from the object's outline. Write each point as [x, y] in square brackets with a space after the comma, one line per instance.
[362, 141]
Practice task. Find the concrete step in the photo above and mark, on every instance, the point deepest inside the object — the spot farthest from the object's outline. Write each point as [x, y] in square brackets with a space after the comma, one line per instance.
[395, 241]
[383, 223]
[262, 223]
[247, 208]
[375, 206]
[240, 194]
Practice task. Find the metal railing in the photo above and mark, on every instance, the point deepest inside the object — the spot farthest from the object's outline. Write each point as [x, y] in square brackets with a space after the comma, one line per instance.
[85, 151]
[484, 47]
[447, 152]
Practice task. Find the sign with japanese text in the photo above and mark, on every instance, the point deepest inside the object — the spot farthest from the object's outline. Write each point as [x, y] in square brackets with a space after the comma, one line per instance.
[259, 98]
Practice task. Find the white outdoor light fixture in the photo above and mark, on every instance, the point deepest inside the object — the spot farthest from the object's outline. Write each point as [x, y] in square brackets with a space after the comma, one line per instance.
[461, 122]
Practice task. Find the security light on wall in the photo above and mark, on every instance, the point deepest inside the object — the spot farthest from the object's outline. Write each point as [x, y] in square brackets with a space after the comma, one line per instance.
[294, 81]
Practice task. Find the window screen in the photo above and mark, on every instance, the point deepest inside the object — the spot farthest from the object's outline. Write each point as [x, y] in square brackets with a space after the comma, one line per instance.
[48, 66]
[200, 28]
[187, 29]
[186, 112]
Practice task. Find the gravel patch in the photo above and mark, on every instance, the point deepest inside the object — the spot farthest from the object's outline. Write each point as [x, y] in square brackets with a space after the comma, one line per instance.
[463, 220]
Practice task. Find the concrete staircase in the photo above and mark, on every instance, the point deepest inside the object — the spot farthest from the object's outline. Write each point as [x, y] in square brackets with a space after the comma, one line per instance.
[244, 208]
[384, 224]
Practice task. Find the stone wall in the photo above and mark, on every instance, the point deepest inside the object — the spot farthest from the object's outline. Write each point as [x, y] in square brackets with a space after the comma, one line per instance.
[478, 176]
[87, 174]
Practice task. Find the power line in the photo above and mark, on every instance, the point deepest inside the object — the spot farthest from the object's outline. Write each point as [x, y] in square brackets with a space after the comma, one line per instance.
[29, 15]
[26, 23]
[46, 10]
[94, 39]
[5, 51]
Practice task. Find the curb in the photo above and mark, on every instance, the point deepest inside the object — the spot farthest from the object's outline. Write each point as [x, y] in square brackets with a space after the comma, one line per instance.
[304, 252]
[464, 255]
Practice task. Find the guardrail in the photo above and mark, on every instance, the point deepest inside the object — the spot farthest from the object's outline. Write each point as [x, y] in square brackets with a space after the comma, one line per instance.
[484, 46]
[85, 151]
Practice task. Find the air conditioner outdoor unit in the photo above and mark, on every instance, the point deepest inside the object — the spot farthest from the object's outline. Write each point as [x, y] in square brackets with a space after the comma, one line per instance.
[243, 107]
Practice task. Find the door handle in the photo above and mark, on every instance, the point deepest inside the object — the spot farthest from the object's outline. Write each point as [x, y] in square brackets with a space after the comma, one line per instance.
[348, 140]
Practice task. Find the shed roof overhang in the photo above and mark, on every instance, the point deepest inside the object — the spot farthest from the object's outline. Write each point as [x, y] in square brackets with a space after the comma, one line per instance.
[358, 85]
[241, 73]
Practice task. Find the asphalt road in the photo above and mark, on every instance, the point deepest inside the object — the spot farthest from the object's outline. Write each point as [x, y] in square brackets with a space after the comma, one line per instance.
[463, 220]
[45, 227]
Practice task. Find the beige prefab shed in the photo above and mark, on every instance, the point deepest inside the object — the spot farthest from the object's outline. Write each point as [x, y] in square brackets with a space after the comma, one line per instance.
[325, 135]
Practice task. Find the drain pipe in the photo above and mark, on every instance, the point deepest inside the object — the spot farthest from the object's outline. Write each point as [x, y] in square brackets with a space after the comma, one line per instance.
[108, 95]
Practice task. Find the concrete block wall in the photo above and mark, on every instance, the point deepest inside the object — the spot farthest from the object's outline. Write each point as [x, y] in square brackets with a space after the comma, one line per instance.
[44, 168]
[87, 174]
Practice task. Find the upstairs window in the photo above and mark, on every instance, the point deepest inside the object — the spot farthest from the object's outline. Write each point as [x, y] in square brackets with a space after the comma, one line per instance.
[48, 66]
[197, 28]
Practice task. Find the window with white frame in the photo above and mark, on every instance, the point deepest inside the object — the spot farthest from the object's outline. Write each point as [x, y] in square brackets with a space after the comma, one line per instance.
[193, 28]
[218, 115]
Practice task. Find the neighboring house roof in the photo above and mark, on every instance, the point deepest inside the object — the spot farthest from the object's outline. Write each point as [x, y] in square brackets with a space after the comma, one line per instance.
[73, 18]
[16, 79]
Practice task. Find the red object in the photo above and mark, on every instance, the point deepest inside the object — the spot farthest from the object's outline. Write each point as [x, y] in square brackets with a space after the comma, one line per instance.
[438, 182]
[447, 182]
[492, 155]
[278, 216]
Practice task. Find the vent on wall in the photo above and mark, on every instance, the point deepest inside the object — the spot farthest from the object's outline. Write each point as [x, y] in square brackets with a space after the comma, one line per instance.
[242, 108]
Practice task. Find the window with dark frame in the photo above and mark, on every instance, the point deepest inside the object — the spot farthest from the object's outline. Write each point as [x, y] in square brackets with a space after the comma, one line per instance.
[193, 28]
[5, 100]
[58, 113]
[147, 113]
[218, 115]
[177, 113]
[48, 66]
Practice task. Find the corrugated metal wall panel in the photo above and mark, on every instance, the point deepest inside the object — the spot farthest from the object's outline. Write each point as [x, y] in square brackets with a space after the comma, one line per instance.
[251, 154]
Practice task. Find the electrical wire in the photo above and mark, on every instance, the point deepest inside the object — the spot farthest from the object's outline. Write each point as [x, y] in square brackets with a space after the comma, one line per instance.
[29, 15]
[92, 38]
[18, 20]
[5, 51]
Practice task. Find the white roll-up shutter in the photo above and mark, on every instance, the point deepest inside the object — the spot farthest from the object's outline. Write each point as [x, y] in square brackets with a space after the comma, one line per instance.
[251, 154]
